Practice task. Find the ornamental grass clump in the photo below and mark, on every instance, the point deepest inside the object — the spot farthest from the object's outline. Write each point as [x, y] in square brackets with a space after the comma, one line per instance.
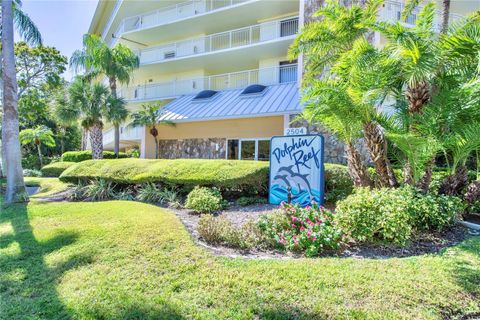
[310, 230]
[220, 230]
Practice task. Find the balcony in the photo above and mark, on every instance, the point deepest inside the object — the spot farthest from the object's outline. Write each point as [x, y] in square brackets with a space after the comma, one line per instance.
[248, 36]
[128, 136]
[235, 80]
[173, 13]
[392, 11]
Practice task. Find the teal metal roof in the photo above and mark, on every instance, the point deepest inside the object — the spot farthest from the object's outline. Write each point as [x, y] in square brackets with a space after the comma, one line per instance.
[274, 100]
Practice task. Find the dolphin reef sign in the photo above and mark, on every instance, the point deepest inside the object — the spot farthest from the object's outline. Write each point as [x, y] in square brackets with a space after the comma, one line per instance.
[296, 169]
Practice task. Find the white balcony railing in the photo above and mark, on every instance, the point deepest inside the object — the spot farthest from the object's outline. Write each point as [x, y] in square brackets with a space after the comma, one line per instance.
[172, 13]
[221, 41]
[126, 133]
[392, 11]
[235, 80]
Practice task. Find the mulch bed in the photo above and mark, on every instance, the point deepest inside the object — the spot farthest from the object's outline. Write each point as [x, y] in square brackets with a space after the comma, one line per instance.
[473, 218]
[422, 244]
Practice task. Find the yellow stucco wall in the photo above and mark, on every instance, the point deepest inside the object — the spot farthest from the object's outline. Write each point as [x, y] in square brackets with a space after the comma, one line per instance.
[261, 127]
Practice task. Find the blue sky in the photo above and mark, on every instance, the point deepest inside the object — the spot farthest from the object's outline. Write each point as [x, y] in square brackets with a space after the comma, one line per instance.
[61, 22]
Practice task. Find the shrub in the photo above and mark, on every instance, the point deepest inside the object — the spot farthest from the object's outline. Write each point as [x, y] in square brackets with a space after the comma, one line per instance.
[219, 230]
[247, 177]
[79, 156]
[392, 215]
[204, 200]
[247, 201]
[99, 190]
[32, 173]
[56, 169]
[383, 214]
[150, 193]
[311, 229]
[338, 184]
[434, 212]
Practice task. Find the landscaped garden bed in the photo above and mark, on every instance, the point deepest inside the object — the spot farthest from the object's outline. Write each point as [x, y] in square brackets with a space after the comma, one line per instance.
[233, 218]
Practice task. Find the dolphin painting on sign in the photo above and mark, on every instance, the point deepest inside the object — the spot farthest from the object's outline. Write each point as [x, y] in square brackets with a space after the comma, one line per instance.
[296, 170]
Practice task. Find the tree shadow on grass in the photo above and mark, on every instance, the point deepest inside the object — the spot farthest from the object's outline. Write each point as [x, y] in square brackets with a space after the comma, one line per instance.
[27, 284]
[467, 275]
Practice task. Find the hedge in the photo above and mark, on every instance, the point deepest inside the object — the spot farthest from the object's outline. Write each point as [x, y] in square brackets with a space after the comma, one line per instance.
[79, 156]
[250, 177]
[247, 177]
[56, 169]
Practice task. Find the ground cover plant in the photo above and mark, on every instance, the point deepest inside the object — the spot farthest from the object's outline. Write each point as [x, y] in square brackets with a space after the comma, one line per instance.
[57, 259]
[79, 156]
[55, 169]
[241, 176]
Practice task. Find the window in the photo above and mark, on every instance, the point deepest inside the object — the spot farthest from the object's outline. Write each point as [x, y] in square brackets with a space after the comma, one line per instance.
[248, 149]
[169, 55]
[288, 71]
[263, 150]
[288, 27]
[232, 149]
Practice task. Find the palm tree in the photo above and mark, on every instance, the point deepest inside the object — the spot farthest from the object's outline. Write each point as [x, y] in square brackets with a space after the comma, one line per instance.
[11, 16]
[410, 5]
[117, 64]
[150, 116]
[328, 46]
[328, 103]
[117, 113]
[38, 136]
[88, 102]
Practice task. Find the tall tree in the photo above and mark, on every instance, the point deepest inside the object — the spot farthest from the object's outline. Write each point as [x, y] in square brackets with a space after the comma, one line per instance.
[38, 68]
[38, 136]
[88, 102]
[117, 64]
[326, 44]
[150, 116]
[117, 113]
[10, 129]
[30, 33]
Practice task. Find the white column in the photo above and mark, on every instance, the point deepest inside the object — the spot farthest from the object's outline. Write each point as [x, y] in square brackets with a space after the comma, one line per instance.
[286, 121]
[143, 144]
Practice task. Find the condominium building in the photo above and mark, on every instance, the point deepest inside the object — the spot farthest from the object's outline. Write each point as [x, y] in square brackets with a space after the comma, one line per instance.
[220, 70]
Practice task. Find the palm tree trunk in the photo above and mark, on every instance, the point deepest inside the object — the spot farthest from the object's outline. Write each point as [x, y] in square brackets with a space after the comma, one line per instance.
[15, 183]
[454, 184]
[96, 140]
[116, 141]
[424, 182]
[39, 150]
[2, 159]
[377, 147]
[116, 147]
[358, 171]
[408, 173]
[445, 15]
[156, 147]
[84, 139]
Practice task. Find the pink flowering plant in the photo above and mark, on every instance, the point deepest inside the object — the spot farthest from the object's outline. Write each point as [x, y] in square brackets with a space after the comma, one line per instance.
[311, 229]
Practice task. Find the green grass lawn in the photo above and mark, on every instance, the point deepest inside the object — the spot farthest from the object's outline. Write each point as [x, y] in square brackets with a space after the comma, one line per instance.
[128, 260]
[48, 186]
